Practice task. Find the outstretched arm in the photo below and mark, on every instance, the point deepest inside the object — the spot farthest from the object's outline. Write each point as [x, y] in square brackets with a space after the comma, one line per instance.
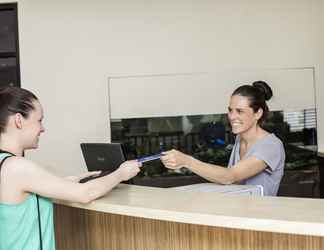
[244, 169]
[77, 178]
[26, 176]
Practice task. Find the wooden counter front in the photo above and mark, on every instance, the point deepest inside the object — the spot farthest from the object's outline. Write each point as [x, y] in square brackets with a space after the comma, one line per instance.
[133, 217]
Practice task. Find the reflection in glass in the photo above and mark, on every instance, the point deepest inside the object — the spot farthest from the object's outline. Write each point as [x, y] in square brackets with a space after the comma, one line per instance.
[209, 139]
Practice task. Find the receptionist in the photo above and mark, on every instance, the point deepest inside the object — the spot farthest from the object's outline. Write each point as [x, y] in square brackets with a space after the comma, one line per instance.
[257, 157]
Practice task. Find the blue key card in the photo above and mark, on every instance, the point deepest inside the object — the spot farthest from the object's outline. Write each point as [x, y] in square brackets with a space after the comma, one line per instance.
[150, 158]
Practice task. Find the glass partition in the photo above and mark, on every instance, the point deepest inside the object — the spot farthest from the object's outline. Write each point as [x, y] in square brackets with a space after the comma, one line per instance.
[209, 139]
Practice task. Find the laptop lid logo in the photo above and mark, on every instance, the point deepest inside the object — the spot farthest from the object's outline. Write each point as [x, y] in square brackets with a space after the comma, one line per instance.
[101, 159]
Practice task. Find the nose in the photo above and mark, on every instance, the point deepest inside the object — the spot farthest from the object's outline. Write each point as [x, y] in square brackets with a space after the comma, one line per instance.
[42, 130]
[231, 115]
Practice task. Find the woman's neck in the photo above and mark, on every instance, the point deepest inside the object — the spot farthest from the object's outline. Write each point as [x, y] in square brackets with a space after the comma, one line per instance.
[252, 135]
[10, 146]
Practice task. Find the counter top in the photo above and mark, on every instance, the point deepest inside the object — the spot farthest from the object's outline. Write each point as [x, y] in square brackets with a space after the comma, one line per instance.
[271, 214]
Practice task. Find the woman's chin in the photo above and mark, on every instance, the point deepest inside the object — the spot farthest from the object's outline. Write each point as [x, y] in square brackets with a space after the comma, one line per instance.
[35, 146]
[235, 131]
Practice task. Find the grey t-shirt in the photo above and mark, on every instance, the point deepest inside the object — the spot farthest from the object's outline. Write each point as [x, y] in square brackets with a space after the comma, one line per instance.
[270, 150]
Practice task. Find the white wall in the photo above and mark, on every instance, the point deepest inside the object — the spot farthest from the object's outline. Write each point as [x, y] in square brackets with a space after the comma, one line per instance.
[205, 93]
[69, 48]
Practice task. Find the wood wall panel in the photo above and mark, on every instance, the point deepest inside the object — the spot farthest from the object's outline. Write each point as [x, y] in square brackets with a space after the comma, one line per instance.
[82, 229]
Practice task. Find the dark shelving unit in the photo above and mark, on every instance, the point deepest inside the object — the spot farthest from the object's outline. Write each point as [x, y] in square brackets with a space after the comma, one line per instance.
[9, 46]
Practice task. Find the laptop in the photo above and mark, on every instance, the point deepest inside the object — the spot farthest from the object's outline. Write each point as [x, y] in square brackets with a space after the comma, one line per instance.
[106, 157]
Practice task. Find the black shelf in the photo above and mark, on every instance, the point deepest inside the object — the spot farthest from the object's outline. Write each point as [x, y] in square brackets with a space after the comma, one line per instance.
[9, 46]
[7, 54]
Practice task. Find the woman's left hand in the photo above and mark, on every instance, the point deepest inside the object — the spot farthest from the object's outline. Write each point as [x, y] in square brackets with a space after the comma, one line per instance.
[174, 159]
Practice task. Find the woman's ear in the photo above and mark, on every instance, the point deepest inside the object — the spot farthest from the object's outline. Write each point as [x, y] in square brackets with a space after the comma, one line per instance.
[259, 113]
[18, 120]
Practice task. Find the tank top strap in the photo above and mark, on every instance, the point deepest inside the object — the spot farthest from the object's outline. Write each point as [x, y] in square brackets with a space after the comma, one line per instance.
[4, 156]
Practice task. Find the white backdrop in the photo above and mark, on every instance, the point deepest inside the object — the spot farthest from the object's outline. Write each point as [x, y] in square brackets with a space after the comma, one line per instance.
[205, 93]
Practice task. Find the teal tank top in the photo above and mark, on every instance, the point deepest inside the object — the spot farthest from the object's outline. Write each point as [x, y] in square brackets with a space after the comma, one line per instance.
[19, 227]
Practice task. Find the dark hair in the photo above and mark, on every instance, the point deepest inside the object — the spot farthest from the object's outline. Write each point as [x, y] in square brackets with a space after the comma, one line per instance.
[14, 100]
[257, 93]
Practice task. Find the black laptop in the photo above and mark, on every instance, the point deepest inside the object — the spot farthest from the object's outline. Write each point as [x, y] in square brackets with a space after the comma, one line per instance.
[106, 157]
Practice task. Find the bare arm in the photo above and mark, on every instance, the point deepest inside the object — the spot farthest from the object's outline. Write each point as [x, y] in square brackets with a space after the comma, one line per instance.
[27, 176]
[242, 170]
[77, 178]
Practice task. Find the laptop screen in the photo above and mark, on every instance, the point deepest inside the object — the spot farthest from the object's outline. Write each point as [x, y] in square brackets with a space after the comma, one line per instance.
[102, 156]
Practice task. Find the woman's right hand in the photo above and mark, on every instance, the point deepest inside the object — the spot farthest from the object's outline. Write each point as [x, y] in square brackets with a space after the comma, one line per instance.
[175, 159]
[129, 169]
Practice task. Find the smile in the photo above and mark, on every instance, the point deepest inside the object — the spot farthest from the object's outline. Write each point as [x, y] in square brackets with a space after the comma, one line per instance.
[236, 123]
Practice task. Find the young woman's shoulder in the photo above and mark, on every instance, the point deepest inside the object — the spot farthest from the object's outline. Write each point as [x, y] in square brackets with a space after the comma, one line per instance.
[17, 166]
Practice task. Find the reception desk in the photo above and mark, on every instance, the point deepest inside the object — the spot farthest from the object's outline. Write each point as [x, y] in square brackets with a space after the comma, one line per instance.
[137, 217]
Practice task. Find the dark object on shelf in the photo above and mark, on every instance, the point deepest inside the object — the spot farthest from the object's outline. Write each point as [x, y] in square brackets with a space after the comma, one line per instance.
[212, 134]
[301, 183]
[8, 72]
[299, 158]
[9, 46]
[321, 171]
